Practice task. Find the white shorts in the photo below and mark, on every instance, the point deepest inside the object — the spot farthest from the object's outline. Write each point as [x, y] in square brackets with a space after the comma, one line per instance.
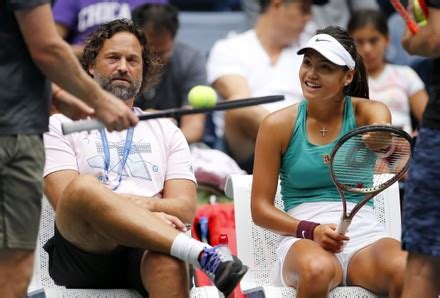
[364, 230]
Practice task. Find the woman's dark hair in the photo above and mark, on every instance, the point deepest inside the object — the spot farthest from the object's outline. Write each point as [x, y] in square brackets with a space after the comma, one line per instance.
[158, 16]
[365, 17]
[151, 64]
[359, 86]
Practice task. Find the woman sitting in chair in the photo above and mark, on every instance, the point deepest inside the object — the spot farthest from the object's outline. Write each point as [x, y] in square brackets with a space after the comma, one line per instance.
[295, 144]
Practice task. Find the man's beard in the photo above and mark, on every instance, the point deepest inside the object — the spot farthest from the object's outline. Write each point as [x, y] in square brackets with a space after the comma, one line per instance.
[119, 90]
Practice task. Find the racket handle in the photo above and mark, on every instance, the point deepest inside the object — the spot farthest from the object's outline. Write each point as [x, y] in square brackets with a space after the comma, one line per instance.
[81, 125]
[343, 226]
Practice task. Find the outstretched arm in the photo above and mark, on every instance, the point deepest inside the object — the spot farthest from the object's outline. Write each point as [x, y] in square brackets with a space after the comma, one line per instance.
[63, 31]
[57, 61]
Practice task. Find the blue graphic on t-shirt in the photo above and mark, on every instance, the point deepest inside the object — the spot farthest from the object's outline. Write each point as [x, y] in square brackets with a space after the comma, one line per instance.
[135, 166]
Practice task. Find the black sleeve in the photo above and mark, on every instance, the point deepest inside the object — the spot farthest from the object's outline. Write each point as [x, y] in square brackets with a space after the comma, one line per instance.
[25, 4]
[433, 3]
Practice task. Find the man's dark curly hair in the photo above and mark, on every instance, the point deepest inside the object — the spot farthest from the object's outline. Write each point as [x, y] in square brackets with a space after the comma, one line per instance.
[151, 63]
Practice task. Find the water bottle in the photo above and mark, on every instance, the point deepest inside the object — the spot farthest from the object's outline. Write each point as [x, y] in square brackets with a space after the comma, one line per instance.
[203, 223]
[223, 244]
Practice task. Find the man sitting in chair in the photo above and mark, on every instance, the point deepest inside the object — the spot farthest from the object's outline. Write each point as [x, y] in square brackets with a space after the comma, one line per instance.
[122, 198]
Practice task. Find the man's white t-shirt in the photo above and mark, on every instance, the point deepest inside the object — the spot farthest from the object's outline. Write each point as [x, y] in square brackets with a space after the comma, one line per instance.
[394, 86]
[243, 54]
[158, 152]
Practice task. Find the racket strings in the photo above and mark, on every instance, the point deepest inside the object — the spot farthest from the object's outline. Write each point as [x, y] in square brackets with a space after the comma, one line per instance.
[367, 161]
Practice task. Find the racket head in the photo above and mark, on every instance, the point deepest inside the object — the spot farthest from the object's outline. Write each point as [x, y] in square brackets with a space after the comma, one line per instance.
[369, 159]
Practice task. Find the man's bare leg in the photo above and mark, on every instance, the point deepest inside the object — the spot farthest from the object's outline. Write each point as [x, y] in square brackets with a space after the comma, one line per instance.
[158, 270]
[422, 278]
[16, 267]
[95, 219]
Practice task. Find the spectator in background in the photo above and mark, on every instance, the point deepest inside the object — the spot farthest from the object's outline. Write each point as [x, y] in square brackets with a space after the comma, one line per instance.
[207, 5]
[30, 51]
[338, 12]
[324, 12]
[398, 86]
[258, 62]
[184, 67]
[76, 19]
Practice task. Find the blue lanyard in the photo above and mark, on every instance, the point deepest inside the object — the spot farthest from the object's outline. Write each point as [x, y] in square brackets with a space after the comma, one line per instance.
[127, 147]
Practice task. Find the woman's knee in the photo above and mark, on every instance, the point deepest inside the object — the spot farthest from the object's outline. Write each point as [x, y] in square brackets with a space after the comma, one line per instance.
[316, 269]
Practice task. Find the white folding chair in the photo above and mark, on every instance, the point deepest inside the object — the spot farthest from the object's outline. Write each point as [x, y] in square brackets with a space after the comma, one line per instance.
[256, 246]
[42, 285]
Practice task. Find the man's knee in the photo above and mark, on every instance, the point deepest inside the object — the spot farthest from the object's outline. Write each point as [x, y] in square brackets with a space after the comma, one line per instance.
[75, 195]
[79, 186]
[16, 267]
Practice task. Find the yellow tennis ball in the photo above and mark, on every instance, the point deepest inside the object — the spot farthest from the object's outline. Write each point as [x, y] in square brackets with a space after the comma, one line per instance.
[202, 97]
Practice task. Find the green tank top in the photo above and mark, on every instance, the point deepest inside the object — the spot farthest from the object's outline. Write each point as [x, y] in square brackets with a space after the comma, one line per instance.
[304, 172]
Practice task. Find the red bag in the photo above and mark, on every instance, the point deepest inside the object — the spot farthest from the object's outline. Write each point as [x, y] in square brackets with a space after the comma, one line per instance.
[221, 220]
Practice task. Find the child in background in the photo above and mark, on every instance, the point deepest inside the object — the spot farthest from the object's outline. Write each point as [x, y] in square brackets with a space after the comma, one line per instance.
[398, 86]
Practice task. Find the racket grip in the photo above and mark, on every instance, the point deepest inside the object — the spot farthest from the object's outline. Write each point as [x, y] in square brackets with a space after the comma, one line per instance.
[81, 125]
[343, 226]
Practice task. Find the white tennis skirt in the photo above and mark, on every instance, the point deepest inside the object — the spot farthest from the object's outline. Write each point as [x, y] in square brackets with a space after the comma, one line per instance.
[364, 230]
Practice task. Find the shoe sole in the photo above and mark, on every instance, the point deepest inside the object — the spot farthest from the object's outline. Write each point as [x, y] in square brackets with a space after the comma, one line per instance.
[234, 280]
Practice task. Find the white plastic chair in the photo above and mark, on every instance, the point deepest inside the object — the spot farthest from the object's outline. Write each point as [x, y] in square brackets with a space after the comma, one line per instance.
[256, 246]
[42, 285]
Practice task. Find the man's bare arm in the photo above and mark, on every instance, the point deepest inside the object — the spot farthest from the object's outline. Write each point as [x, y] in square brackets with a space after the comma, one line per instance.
[247, 120]
[427, 41]
[179, 199]
[192, 127]
[57, 61]
[63, 31]
[55, 184]
[179, 195]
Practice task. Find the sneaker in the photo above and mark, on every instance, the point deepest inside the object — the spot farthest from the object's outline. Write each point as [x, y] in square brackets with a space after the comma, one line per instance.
[224, 269]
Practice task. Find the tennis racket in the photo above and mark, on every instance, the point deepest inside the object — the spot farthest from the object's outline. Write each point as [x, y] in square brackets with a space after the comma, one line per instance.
[366, 161]
[413, 27]
[91, 124]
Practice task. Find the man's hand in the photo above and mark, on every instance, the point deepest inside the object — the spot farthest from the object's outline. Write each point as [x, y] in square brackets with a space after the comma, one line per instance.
[171, 220]
[67, 104]
[144, 202]
[113, 112]
[327, 237]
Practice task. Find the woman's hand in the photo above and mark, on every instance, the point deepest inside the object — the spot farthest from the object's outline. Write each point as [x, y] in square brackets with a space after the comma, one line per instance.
[327, 237]
[378, 141]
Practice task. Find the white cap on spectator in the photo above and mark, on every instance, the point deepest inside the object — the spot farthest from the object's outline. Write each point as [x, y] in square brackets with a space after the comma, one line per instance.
[331, 49]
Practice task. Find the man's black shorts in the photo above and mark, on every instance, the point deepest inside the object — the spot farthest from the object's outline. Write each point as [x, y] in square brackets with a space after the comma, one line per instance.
[74, 268]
